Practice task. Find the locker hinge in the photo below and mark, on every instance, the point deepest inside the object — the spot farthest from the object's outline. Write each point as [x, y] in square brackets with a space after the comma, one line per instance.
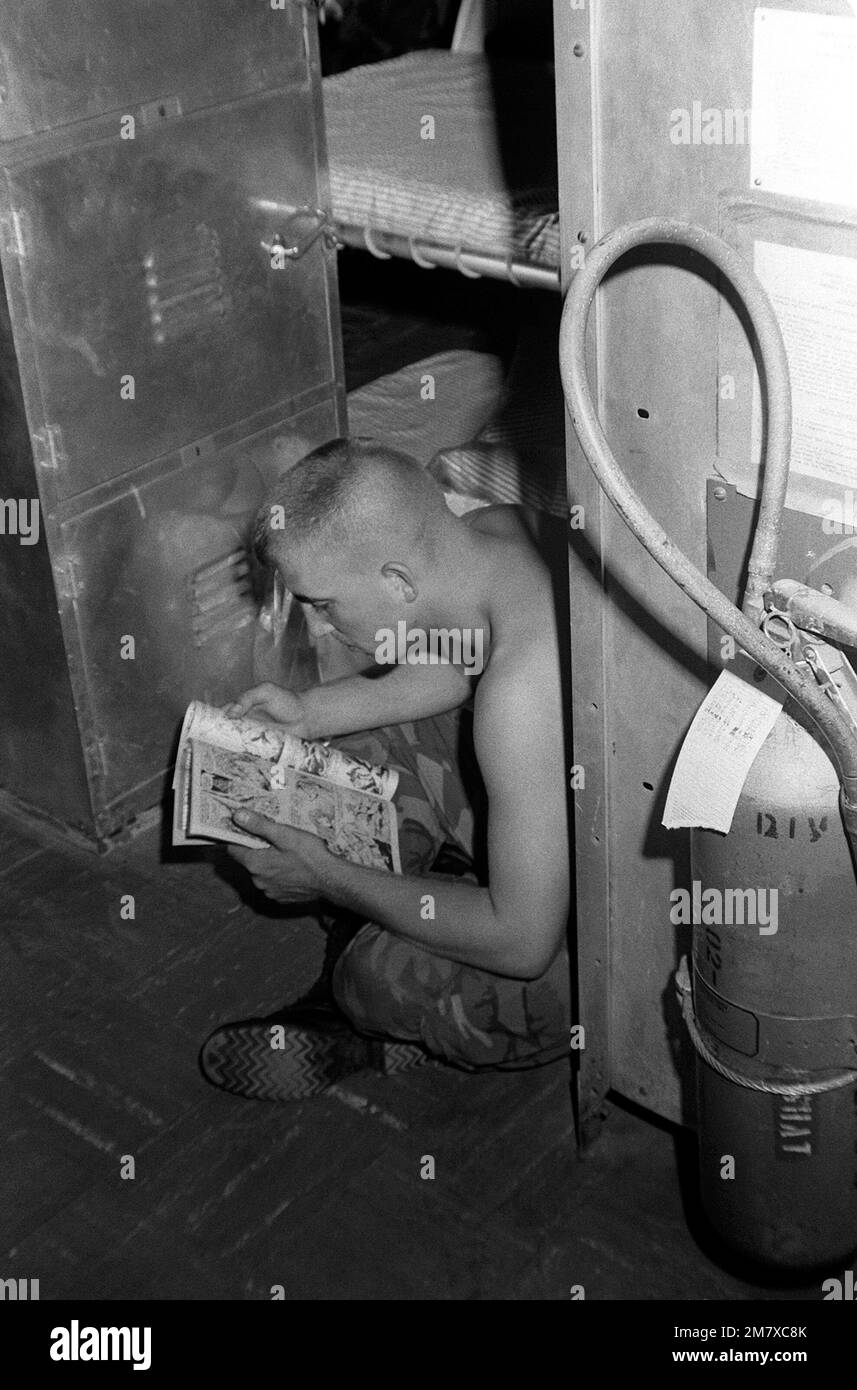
[93, 756]
[67, 579]
[48, 448]
[12, 230]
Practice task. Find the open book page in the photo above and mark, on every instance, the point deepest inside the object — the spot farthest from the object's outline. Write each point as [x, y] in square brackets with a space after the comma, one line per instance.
[211, 726]
[181, 800]
[358, 825]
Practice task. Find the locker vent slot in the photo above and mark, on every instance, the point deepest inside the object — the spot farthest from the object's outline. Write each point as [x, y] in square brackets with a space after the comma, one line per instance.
[186, 288]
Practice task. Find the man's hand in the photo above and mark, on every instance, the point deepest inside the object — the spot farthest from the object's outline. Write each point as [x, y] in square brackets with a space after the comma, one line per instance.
[271, 703]
[293, 869]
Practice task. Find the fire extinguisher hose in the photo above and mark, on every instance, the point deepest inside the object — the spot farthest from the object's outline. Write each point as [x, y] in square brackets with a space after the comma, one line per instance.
[741, 626]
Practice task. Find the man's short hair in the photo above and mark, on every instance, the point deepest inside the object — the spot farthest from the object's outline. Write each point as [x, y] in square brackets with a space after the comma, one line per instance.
[349, 491]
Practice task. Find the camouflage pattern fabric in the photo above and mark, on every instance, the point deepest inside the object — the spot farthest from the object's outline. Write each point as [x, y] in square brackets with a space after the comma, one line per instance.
[390, 987]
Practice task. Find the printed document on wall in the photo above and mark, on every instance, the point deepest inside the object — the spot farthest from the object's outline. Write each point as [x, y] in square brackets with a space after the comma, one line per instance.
[815, 298]
[804, 107]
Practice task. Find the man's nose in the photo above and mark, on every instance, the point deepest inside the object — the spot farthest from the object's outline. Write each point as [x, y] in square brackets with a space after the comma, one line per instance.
[317, 625]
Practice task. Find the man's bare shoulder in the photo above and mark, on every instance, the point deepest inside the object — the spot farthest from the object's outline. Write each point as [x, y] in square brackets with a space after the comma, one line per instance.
[522, 677]
[523, 588]
[523, 674]
[502, 519]
[526, 530]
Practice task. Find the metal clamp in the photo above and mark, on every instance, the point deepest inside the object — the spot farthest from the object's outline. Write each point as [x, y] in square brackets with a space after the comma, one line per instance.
[511, 273]
[835, 675]
[419, 258]
[780, 628]
[373, 248]
[462, 268]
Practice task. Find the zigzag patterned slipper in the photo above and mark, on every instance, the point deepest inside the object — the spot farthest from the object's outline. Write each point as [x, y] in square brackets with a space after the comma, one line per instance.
[273, 1059]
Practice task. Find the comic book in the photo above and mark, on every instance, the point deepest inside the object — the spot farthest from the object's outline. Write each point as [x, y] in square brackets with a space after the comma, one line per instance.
[224, 765]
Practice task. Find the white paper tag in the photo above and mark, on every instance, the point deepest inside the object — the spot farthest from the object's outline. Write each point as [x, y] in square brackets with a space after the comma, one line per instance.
[727, 732]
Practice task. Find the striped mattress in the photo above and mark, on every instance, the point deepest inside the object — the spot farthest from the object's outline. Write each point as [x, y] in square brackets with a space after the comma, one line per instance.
[486, 179]
[484, 438]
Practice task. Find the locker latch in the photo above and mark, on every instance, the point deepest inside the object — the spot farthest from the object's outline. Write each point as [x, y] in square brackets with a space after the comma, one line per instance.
[299, 233]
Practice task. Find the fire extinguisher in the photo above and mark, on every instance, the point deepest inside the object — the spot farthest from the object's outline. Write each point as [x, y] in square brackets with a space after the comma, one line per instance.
[772, 1014]
[775, 1014]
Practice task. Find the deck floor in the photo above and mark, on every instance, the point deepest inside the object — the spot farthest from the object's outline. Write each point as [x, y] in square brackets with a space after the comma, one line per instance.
[100, 1024]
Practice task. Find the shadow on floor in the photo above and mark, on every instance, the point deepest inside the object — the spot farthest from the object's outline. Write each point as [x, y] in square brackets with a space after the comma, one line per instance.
[102, 1018]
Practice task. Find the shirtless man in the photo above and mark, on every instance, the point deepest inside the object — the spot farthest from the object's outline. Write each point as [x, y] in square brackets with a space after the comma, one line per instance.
[471, 969]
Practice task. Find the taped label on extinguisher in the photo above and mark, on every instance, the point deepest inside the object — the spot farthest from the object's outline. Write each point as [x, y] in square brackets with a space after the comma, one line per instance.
[727, 732]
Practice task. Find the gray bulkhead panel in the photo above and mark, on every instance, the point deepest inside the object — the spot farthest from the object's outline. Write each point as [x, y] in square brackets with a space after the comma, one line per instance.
[639, 648]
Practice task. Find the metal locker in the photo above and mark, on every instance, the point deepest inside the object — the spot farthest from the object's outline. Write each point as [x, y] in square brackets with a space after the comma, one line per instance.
[169, 341]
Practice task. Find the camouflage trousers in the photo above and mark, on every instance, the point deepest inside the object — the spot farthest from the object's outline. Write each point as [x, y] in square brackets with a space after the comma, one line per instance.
[390, 987]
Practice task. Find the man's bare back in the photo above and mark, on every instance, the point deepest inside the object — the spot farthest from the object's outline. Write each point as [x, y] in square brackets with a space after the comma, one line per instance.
[518, 725]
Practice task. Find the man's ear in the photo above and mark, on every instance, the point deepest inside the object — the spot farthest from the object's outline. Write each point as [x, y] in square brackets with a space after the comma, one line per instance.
[401, 580]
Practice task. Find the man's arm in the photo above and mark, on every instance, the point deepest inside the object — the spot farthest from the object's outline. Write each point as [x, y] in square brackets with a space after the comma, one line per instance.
[355, 703]
[520, 748]
[514, 926]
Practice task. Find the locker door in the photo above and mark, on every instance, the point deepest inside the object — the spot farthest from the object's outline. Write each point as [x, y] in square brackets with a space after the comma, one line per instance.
[169, 341]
